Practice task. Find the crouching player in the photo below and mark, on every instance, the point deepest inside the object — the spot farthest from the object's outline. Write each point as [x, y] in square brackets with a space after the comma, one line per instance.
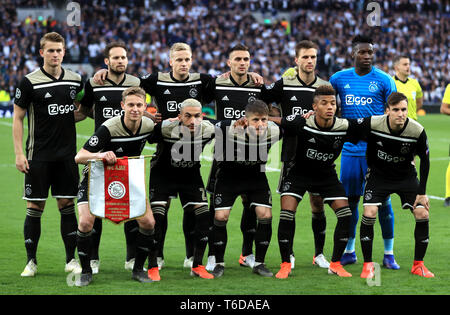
[120, 136]
[392, 142]
[241, 153]
[175, 171]
[320, 139]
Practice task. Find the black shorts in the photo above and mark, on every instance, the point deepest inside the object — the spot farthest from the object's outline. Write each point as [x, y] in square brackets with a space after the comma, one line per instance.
[168, 184]
[329, 187]
[61, 176]
[378, 188]
[212, 178]
[229, 185]
[82, 196]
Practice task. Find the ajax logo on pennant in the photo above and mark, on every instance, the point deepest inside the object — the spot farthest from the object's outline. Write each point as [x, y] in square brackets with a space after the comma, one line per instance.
[116, 190]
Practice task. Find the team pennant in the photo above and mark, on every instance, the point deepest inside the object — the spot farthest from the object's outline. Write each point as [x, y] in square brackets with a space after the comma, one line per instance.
[117, 192]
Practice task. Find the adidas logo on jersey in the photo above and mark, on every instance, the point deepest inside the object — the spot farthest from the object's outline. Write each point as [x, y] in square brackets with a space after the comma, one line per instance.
[312, 140]
[48, 95]
[103, 99]
[119, 150]
[293, 98]
[167, 91]
[380, 143]
[347, 86]
[225, 98]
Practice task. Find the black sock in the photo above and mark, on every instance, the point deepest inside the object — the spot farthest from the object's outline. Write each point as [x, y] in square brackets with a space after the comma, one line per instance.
[84, 250]
[366, 235]
[319, 226]
[212, 213]
[32, 232]
[159, 212]
[201, 234]
[220, 239]
[69, 227]
[248, 228]
[96, 235]
[421, 238]
[286, 230]
[164, 223]
[131, 229]
[189, 230]
[341, 232]
[144, 244]
[262, 238]
[291, 241]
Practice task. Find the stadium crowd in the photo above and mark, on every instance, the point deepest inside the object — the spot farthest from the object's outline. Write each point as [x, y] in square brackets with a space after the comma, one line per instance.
[418, 28]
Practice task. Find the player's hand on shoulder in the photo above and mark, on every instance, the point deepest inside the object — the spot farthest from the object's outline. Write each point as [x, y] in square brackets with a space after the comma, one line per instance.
[225, 75]
[308, 114]
[157, 118]
[422, 200]
[22, 163]
[109, 157]
[257, 78]
[100, 76]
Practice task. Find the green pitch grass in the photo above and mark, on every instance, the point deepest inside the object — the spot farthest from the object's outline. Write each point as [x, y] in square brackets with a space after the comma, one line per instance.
[305, 279]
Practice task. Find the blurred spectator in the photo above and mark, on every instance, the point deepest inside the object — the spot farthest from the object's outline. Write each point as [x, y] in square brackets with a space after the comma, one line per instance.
[418, 28]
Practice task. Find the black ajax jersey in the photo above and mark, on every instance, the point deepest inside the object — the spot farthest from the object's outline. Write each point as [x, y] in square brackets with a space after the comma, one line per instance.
[231, 98]
[168, 93]
[106, 98]
[50, 109]
[177, 149]
[114, 136]
[293, 97]
[317, 148]
[392, 154]
[236, 151]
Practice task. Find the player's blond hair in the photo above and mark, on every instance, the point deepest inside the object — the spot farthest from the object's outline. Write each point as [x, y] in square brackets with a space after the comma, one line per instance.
[179, 47]
[134, 90]
[190, 102]
[52, 37]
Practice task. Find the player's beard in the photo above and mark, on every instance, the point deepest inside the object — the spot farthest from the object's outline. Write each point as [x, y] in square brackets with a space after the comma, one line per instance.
[117, 73]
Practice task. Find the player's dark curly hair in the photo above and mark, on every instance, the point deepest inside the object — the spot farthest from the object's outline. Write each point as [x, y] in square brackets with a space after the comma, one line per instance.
[358, 39]
[324, 90]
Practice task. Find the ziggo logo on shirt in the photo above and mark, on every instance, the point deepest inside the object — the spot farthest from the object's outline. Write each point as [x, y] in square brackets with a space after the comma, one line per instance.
[357, 100]
[55, 109]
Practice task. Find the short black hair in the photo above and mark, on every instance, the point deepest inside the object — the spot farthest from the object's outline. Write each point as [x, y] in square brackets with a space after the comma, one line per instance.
[358, 39]
[395, 98]
[258, 107]
[238, 47]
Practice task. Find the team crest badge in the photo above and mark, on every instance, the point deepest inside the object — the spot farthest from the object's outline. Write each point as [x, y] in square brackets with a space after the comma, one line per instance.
[116, 190]
[217, 199]
[373, 87]
[193, 92]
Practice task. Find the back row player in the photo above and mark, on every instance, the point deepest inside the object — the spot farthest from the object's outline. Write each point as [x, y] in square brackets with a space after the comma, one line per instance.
[363, 91]
[47, 96]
